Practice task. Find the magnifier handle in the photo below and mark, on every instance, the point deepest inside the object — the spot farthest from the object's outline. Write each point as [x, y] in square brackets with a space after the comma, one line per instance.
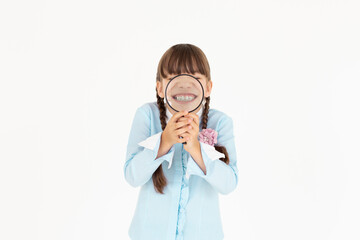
[183, 142]
[182, 137]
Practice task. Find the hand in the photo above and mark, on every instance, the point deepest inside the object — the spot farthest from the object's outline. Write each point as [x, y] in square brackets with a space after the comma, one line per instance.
[191, 135]
[175, 127]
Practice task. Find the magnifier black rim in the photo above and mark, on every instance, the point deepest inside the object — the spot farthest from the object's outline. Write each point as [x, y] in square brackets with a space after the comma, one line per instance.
[202, 99]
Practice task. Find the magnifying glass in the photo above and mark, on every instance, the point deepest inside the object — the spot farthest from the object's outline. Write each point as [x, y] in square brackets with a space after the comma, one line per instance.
[184, 92]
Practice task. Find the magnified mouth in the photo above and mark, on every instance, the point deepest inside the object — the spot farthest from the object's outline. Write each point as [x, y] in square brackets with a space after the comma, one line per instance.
[184, 97]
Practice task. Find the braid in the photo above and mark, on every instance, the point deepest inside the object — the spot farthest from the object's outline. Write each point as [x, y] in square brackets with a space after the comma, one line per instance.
[162, 110]
[205, 116]
[205, 113]
[158, 177]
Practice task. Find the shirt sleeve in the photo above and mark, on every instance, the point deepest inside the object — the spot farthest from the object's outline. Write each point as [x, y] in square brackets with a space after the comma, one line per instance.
[142, 150]
[222, 177]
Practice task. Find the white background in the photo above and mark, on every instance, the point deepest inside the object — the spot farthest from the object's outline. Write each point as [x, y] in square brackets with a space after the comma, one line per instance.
[73, 73]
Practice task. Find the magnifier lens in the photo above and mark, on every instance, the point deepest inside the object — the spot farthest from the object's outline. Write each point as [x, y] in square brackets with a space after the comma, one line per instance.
[184, 93]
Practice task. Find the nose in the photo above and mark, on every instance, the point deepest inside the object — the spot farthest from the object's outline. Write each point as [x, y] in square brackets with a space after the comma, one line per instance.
[185, 85]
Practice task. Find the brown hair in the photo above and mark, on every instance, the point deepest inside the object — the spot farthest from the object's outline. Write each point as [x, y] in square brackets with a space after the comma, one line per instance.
[182, 58]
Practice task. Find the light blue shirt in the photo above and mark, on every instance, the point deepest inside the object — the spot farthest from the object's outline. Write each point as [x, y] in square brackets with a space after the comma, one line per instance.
[189, 207]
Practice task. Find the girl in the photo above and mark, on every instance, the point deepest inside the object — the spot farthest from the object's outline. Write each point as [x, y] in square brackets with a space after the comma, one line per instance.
[178, 199]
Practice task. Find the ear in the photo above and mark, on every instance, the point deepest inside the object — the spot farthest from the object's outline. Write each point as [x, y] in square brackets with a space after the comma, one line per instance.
[159, 89]
[208, 88]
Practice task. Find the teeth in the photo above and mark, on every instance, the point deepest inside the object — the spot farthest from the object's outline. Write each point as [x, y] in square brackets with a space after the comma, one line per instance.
[184, 98]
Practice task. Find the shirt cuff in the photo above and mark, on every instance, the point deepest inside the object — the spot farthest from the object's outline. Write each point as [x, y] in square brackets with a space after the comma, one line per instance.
[209, 154]
[153, 143]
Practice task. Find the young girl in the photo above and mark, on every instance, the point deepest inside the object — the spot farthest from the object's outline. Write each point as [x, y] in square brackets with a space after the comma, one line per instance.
[178, 199]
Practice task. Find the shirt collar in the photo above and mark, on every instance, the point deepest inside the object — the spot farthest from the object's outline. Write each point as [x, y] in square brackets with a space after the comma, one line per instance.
[169, 114]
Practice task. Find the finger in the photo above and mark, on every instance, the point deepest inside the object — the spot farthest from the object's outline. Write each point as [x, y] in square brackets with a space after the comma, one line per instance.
[177, 115]
[183, 119]
[192, 132]
[181, 124]
[194, 116]
[194, 125]
[191, 127]
[180, 131]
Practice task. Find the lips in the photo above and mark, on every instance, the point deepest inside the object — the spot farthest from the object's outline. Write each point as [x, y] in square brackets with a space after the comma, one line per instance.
[184, 97]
